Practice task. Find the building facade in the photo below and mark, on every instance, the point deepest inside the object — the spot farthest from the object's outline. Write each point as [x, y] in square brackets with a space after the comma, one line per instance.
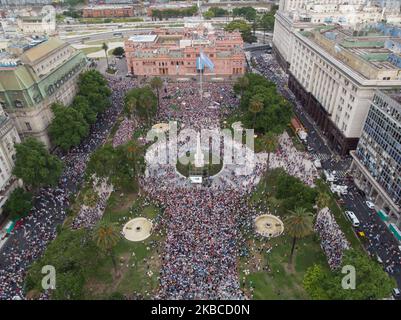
[36, 25]
[42, 75]
[27, 2]
[376, 162]
[302, 15]
[175, 53]
[335, 73]
[8, 138]
[102, 11]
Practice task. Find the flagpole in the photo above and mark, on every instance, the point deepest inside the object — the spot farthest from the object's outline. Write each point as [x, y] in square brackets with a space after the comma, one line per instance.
[201, 87]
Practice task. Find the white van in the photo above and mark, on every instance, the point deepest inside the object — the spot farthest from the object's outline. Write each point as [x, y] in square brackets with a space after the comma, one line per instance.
[317, 164]
[352, 218]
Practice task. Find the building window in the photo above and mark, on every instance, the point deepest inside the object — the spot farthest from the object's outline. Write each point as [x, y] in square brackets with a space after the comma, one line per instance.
[28, 126]
[18, 104]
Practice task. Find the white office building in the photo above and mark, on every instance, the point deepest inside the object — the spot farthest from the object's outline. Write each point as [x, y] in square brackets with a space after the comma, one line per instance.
[335, 72]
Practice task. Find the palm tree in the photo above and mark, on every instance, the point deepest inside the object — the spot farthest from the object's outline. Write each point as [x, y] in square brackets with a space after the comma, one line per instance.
[323, 200]
[298, 225]
[105, 48]
[242, 83]
[130, 106]
[156, 84]
[106, 236]
[270, 141]
[255, 106]
[147, 103]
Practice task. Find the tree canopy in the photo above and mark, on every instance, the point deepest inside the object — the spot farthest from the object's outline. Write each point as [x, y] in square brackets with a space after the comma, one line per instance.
[372, 282]
[73, 253]
[243, 27]
[141, 101]
[249, 13]
[215, 12]
[276, 112]
[266, 22]
[174, 13]
[18, 204]
[35, 165]
[121, 165]
[68, 127]
[290, 191]
[119, 51]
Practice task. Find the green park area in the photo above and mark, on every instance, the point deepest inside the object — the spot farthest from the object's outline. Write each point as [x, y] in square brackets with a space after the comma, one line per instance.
[269, 271]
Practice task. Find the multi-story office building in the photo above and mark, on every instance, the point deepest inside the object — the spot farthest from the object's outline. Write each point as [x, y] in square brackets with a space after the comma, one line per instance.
[32, 82]
[175, 53]
[377, 159]
[334, 72]
[302, 15]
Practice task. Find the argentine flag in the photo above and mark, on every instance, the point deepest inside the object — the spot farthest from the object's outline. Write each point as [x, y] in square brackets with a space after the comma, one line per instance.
[202, 61]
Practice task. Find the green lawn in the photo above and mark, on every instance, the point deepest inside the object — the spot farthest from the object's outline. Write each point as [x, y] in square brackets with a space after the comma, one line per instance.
[282, 281]
[135, 258]
[90, 50]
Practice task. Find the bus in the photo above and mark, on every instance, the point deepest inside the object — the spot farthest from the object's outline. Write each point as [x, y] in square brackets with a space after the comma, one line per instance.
[298, 128]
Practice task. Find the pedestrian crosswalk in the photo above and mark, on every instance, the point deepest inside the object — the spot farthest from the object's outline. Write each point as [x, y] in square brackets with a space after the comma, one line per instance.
[323, 156]
[341, 174]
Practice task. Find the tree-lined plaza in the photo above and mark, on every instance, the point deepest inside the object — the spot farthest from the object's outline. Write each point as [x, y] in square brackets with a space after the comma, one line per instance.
[203, 243]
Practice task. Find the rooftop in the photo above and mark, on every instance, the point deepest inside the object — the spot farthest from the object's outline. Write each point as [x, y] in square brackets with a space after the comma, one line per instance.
[41, 50]
[108, 7]
[370, 52]
[143, 38]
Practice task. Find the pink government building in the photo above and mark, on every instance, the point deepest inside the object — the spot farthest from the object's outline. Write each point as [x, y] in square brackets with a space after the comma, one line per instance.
[169, 53]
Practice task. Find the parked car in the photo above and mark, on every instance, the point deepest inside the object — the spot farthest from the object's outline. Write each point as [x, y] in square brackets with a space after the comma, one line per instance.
[370, 204]
[396, 292]
[352, 218]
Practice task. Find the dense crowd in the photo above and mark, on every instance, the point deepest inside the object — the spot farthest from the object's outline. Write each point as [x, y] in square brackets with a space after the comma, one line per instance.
[381, 241]
[200, 252]
[90, 214]
[184, 103]
[27, 243]
[296, 163]
[124, 132]
[267, 66]
[332, 239]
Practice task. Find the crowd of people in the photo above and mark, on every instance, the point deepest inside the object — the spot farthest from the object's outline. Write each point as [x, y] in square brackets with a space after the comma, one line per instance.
[184, 103]
[332, 239]
[268, 66]
[203, 239]
[296, 163]
[124, 132]
[200, 251]
[89, 215]
[27, 243]
[381, 241]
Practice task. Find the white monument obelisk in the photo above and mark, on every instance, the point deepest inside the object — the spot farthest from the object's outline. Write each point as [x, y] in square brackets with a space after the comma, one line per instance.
[199, 156]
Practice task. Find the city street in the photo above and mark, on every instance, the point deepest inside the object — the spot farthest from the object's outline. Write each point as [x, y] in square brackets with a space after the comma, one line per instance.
[381, 241]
